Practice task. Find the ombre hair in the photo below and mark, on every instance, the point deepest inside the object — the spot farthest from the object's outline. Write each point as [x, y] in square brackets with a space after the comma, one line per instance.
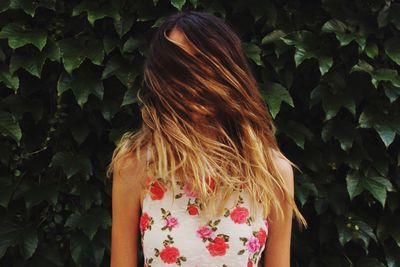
[212, 87]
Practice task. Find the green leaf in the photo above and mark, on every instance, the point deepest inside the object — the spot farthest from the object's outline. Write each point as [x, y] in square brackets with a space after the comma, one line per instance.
[392, 49]
[300, 55]
[123, 24]
[88, 195]
[274, 94]
[304, 187]
[37, 194]
[382, 74]
[29, 7]
[342, 130]
[325, 63]
[129, 98]
[364, 232]
[361, 41]
[385, 125]
[19, 35]
[82, 83]
[94, 11]
[32, 63]
[4, 5]
[306, 46]
[75, 51]
[29, 242]
[371, 50]
[52, 50]
[89, 223]
[354, 184]
[376, 185]
[392, 92]
[303, 40]
[273, 36]
[344, 232]
[298, 132]
[332, 102]
[334, 25]
[126, 72]
[9, 126]
[110, 43]
[178, 4]
[133, 43]
[9, 236]
[11, 81]
[253, 51]
[109, 108]
[72, 164]
[12, 234]
[158, 22]
[355, 228]
[386, 133]
[80, 247]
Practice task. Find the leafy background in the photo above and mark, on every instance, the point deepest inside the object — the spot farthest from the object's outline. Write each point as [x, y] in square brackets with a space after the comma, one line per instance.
[69, 73]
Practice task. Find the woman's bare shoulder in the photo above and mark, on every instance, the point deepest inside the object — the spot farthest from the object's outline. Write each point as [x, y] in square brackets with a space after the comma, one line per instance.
[285, 169]
[129, 173]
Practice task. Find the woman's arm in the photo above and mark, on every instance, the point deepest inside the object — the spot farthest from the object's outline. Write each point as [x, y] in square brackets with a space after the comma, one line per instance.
[125, 213]
[277, 250]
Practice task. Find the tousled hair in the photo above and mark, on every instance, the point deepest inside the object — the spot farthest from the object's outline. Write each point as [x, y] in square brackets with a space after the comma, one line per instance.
[183, 93]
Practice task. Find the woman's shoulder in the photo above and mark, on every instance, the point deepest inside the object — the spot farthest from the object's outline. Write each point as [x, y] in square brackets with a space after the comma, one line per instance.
[285, 169]
[129, 172]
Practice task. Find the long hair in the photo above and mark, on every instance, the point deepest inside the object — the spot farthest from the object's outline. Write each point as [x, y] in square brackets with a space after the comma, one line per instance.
[214, 88]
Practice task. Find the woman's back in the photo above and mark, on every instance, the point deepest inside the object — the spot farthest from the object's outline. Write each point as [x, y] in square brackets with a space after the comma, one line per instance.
[172, 234]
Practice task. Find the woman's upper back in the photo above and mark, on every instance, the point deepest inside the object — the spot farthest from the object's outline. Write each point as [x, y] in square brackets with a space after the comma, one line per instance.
[173, 235]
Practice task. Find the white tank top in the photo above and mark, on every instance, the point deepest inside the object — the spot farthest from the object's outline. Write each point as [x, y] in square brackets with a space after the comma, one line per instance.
[172, 235]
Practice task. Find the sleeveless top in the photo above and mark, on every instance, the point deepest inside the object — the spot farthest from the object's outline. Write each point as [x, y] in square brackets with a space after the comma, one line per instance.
[172, 235]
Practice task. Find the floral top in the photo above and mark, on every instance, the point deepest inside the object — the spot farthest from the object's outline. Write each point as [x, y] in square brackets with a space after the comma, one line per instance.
[172, 235]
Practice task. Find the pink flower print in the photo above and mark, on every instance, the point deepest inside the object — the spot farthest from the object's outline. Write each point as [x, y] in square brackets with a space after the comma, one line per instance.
[204, 232]
[239, 214]
[252, 244]
[188, 191]
[171, 222]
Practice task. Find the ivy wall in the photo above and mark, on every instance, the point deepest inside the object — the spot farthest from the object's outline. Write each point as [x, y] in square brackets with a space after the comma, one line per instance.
[69, 73]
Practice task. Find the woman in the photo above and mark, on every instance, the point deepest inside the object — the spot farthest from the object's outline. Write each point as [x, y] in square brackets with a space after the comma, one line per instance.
[203, 182]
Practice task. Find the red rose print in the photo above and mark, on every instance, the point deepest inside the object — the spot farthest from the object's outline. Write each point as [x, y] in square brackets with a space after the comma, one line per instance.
[192, 209]
[144, 221]
[169, 254]
[157, 191]
[249, 264]
[262, 236]
[210, 182]
[218, 247]
[239, 214]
